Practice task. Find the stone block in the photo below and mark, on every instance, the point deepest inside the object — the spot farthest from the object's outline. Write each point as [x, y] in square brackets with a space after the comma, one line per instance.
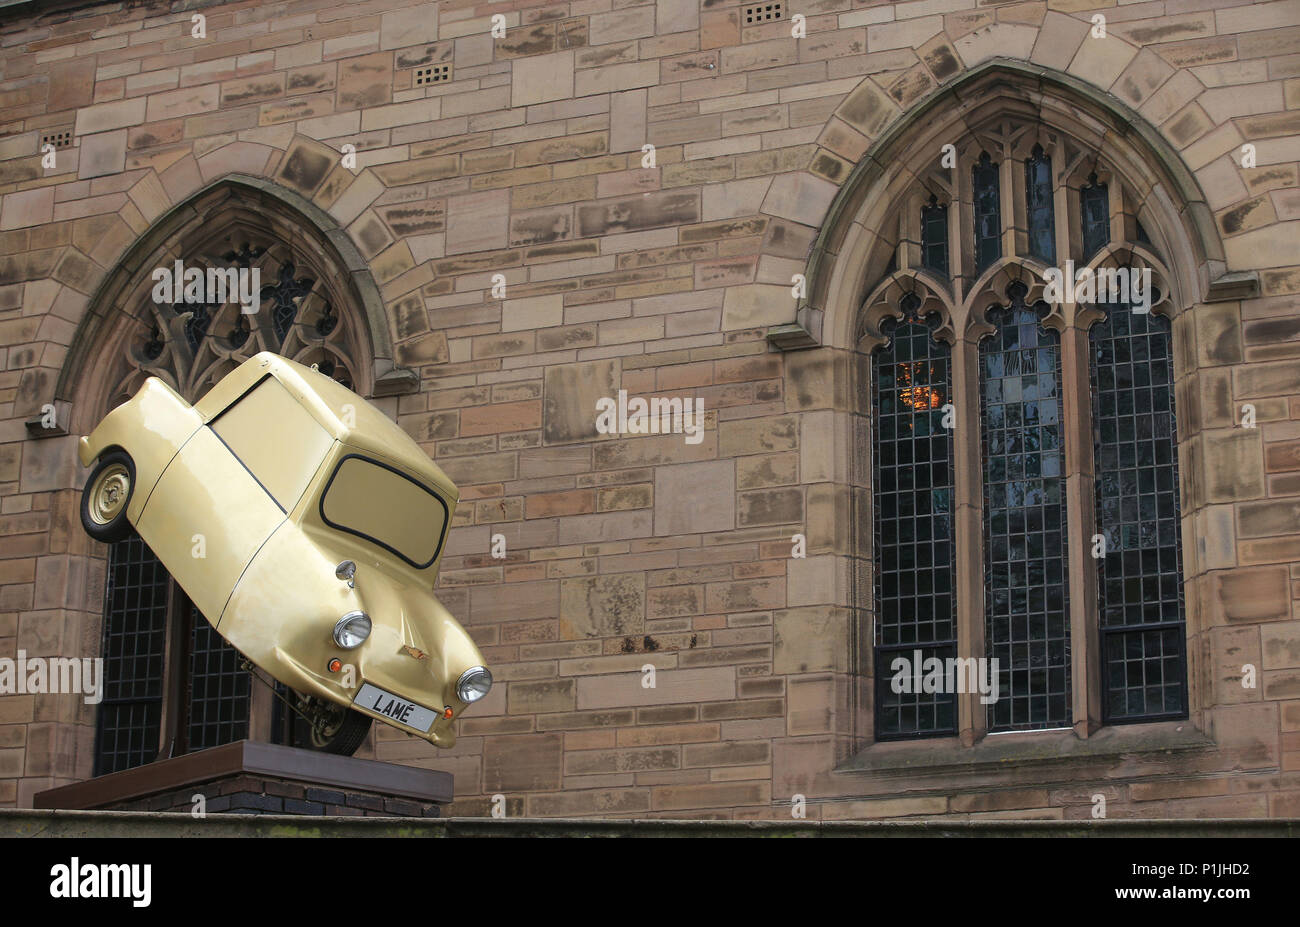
[542, 696]
[477, 221]
[541, 78]
[714, 684]
[695, 497]
[522, 762]
[102, 153]
[417, 25]
[570, 395]
[602, 606]
[1251, 595]
[1234, 465]
[810, 639]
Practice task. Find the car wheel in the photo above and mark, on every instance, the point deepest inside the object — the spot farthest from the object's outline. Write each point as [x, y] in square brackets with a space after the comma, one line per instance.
[334, 728]
[106, 496]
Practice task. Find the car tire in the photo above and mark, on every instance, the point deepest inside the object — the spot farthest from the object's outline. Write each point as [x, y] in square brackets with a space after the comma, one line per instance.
[350, 735]
[341, 732]
[107, 494]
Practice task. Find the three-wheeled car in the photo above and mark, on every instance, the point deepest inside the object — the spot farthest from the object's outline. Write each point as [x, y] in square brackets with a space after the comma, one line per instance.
[307, 528]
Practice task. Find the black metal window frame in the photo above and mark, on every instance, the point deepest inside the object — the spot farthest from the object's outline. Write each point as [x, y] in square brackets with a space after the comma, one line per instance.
[1094, 215]
[934, 237]
[986, 184]
[217, 698]
[1141, 610]
[128, 722]
[151, 631]
[913, 512]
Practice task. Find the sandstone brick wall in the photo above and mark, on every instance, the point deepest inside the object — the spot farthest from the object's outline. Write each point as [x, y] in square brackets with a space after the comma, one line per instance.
[663, 281]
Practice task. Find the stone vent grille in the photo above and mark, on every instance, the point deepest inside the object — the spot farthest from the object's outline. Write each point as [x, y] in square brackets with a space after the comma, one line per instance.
[437, 74]
[59, 138]
[763, 13]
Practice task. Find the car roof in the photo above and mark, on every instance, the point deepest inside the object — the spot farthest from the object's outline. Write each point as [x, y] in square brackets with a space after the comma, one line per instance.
[363, 427]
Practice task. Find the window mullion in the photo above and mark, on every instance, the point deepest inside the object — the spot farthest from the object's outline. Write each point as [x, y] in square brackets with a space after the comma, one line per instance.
[1085, 666]
[972, 717]
[1012, 202]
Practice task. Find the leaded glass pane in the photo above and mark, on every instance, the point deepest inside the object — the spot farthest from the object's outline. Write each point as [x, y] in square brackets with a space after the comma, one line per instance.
[1094, 202]
[135, 623]
[913, 512]
[1025, 548]
[1139, 588]
[934, 237]
[217, 712]
[988, 213]
[1039, 207]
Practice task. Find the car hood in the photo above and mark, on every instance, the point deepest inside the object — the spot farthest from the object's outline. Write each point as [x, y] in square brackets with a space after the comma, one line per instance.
[415, 632]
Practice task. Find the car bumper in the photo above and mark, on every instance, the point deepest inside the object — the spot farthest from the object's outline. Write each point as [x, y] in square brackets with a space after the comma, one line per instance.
[298, 677]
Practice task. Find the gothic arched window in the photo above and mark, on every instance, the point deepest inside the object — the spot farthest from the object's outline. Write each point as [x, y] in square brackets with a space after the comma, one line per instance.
[1051, 543]
[173, 685]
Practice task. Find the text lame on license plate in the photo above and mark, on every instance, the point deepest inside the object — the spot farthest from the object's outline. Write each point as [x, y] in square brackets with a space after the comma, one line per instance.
[395, 707]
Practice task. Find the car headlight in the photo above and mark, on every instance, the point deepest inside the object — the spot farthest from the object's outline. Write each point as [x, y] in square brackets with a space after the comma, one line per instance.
[352, 630]
[473, 684]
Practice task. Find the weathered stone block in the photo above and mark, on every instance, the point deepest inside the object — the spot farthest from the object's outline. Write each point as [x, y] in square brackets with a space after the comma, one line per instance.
[811, 639]
[1256, 594]
[650, 211]
[546, 695]
[570, 395]
[602, 606]
[522, 762]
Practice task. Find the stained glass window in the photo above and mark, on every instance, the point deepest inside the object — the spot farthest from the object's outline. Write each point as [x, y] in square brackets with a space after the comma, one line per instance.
[1027, 545]
[1025, 550]
[913, 525]
[129, 719]
[988, 212]
[934, 237]
[1039, 209]
[1139, 589]
[1094, 203]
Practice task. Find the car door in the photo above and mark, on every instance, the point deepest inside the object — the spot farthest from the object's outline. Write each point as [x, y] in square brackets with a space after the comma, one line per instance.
[206, 518]
[229, 488]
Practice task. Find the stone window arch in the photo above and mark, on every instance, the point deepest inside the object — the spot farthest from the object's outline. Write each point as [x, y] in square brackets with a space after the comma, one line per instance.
[307, 312]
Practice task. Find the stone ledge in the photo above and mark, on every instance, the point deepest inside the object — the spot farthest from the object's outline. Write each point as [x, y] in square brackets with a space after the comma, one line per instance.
[791, 337]
[253, 769]
[28, 823]
[947, 755]
[1233, 286]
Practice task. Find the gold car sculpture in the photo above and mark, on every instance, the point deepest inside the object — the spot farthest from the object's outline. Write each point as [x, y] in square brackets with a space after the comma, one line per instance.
[307, 528]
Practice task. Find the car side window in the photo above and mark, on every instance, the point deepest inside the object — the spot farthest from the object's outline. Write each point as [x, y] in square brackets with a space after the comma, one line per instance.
[374, 501]
[275, 438]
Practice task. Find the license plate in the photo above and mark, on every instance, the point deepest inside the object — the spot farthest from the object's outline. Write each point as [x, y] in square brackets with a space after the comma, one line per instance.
[395, 707]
